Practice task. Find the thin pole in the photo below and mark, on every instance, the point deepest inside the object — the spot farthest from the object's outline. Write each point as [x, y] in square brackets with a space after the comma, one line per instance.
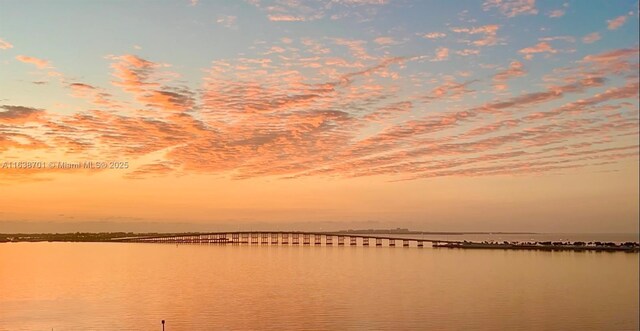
[162, 325]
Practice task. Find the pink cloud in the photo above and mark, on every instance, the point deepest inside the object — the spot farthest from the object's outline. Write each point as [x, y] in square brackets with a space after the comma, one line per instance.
[434, 35]
[95, 95]
[303, 112]
[41, 64]
[591, 38]
[541, 47]
[512, 8]
[227, 21]
[294, 11]
[449, 90]
[385, 41]
[489, 32]
[389, 111]
[467, 52]
[611, 56]
[5, 44]
[356, 47]
[286, 18]
[516, 69]
[133, 73]
[616, 23]
[442, 53]
[556, 13]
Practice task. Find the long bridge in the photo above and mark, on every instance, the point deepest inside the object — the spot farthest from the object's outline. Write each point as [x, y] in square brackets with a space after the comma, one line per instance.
[284, 238]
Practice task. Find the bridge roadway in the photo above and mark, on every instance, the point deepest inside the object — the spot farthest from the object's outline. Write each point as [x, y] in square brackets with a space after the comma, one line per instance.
[282, 238]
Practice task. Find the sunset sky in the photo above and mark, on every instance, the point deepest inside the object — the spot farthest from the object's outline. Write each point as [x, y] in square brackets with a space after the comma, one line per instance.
[495, 115]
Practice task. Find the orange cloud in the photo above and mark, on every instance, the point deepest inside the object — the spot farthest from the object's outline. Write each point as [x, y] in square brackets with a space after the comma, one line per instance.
[41, 64]
[317, 114]
[151, 170]
[5, 44]
[101, 99]
[19, 114]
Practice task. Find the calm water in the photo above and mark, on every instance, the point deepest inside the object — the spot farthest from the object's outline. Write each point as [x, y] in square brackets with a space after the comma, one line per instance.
[117, 286]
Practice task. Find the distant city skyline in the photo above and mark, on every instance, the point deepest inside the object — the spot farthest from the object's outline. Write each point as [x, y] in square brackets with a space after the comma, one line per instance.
[496, 115]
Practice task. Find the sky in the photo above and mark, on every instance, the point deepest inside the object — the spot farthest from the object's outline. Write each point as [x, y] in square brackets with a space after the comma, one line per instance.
[495, 115]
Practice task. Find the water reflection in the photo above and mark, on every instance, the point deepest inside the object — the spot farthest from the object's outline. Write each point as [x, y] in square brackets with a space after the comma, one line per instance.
[80, 286]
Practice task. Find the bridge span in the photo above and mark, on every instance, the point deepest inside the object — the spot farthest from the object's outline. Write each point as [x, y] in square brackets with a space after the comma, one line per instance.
[285, 238]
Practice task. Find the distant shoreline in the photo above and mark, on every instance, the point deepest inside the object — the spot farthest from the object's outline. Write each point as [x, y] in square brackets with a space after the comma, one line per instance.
[109, 236]
[407, 231]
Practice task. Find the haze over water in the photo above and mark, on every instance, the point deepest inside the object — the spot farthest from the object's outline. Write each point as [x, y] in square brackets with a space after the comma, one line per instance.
[107, 286]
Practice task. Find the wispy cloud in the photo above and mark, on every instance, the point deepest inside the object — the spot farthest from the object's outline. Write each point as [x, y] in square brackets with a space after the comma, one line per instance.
[512, 8]
[516, 69]
[385, 41]
[305, 10]
[541, 47]
[442, 53]
[40, 63]
[489, 33]
[5, 44]
[228, 21]
[591, 38]
[19, 114]
[286, 18]
[616, 23]
[348, 105]
[556, 13]
[434, 35]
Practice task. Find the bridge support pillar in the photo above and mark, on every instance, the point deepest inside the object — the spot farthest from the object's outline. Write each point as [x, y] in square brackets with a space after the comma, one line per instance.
[235, 238]
[245, 238]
